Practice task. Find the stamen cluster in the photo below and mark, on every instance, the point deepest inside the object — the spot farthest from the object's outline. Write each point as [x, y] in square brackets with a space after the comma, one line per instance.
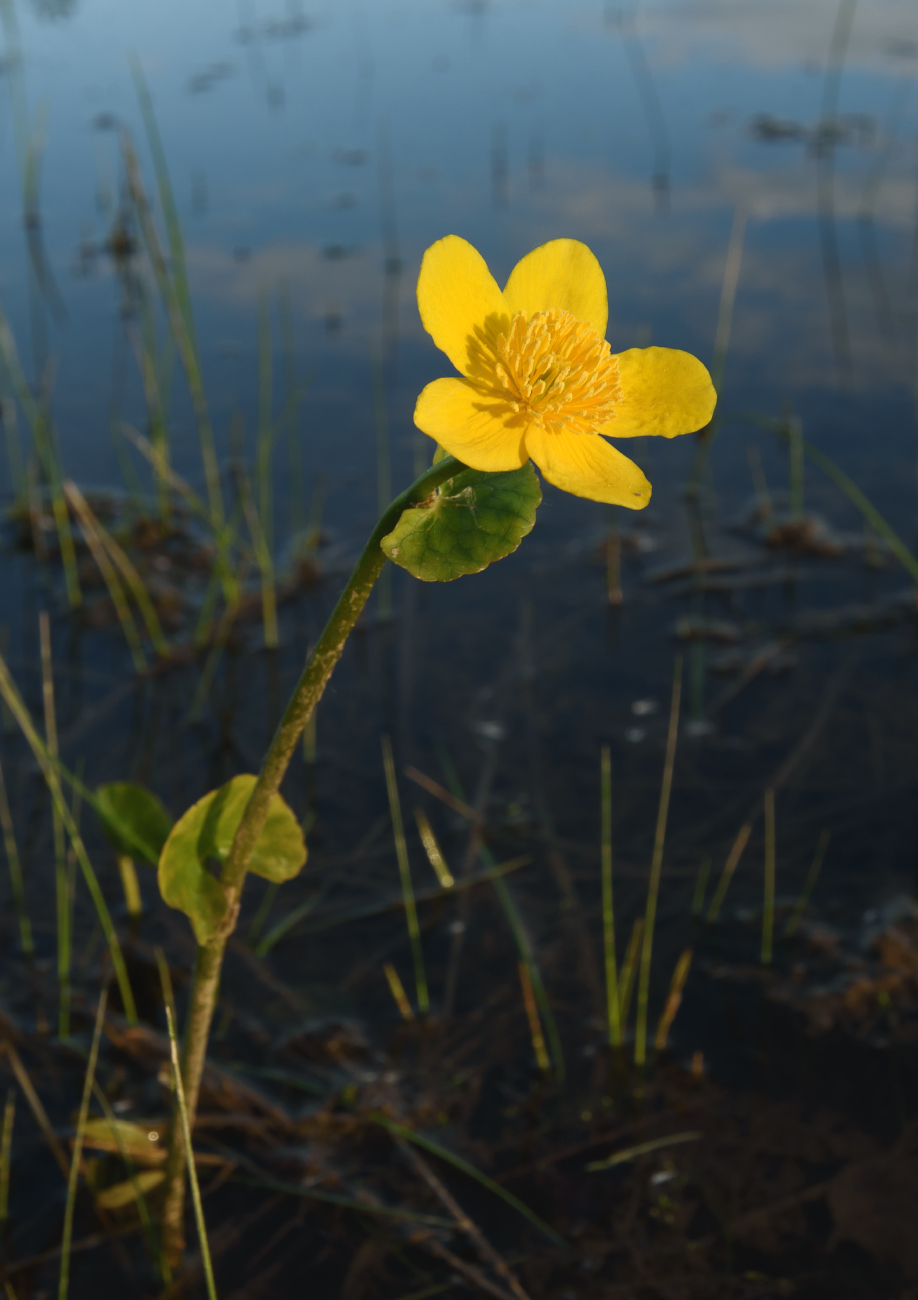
[559, 370]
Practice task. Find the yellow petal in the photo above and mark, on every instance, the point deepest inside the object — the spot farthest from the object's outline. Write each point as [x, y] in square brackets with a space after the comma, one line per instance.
[588, 466]
[470, 424]
[457, 296]
[664, 391]
[563, 274]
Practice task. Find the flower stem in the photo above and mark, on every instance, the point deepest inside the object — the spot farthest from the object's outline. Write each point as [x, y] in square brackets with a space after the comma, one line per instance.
[309, 688]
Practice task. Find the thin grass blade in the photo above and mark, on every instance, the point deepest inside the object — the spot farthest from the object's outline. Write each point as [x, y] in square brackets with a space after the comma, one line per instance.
[613, 1008]
[653, 887]
[67, 1236]
[404, 867]
[189, 1159]
[800, 906]
[48, 767]
[443, 1153]
[14, 865]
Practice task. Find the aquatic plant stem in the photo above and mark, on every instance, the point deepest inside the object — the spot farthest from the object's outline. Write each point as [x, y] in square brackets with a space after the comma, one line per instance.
[768, 908]
[74, 1178]
[613, 1007]
[319, 667]
[656, 866]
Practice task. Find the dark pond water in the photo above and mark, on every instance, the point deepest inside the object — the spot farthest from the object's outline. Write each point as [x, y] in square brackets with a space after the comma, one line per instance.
[746, 174]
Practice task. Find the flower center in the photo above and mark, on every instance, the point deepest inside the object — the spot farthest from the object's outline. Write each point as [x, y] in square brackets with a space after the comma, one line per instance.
[558, 369]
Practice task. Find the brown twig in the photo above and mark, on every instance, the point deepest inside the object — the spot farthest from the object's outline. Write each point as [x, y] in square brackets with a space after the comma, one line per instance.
[440, 792]
[463, 1222]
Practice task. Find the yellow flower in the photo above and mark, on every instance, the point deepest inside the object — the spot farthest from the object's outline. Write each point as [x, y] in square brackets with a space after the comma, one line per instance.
[540, 380]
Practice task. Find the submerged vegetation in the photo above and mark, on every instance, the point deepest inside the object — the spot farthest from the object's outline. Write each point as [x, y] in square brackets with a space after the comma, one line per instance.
[449, 1054]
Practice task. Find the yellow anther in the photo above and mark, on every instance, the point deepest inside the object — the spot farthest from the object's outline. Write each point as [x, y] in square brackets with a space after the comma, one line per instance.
[559, 370]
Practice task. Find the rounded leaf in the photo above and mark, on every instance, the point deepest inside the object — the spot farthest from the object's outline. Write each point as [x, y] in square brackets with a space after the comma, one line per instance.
[474, 519]
[205, 834]
[134, 820]
[280, 849]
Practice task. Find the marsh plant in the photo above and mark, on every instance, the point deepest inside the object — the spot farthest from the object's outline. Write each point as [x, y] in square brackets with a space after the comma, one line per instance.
[538, 385]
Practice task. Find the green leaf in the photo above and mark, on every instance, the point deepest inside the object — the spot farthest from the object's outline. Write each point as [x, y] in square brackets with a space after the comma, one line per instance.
[474, 519]
[205, 833]
[121, 1194]
[121, 1135]
[134, 820]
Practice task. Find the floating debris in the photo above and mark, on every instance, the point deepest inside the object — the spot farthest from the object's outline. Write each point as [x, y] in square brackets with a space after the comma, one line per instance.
[200, 82]
[776, 130]
[701, 628]
[862, 980]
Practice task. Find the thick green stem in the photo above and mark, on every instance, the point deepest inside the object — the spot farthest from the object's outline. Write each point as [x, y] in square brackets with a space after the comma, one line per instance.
[309, 688]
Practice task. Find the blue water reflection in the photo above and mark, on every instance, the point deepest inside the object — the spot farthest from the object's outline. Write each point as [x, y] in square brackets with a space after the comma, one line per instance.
[316, 150]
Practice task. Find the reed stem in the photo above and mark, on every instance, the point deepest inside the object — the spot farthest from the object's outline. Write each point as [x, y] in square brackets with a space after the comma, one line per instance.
[701, 886]
[397, 989]
[674, 999]
[539, 1049]
[76, 1161]
[613, 1009]
[795, 468]
[189, 1156]
[656, 866]
[796, 915]
[404, 867]
[6, 1153]
[49, 769]
[432, 849]
[733, 857]
[61, 882]
[17, 887]
[768, 909]
[629, 970]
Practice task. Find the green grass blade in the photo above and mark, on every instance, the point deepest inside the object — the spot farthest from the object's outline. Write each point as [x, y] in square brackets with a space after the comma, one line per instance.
[142, 1207]
[265, 562]
[849, 488]
[76, 1160]
[629, 969]
[517, 927]
[14, 865]
[61, 881]
[383, 475]
[404, 867]
[16, 706]
[733, 857]
[42, 432]
[656, 866]
[422, 896]
[608, 914]
[443, 1153]
[768, 908]
[6, 1153]
[287, 923]
[265, 438]
[93, 540]
[135, 583]
[701, 887]
[167, 202]
[173, 296]
[189, 1159]
[800, 906]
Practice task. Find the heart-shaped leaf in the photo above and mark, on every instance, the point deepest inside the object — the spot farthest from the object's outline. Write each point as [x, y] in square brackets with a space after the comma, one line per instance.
[134, 820]
[205, 833]
[474, 519]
